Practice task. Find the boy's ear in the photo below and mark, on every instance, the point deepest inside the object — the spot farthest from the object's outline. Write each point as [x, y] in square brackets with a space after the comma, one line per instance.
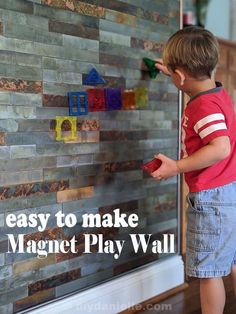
[181, 76]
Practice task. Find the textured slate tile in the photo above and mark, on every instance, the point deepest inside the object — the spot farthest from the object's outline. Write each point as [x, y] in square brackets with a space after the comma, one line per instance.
[62, 77]
[33, 125]
[16, 58]
[27, 163]
[6, 309]
[2, 138]
[22, 190]
[75, 6]
[22, 151]
[70, 149]
[20, 85]
[55, 101]
[4, 152]
[17, 112]
[25, 32]
[122, 135]
[17, 5]
[25, 138]
[118, 6]
[75, 194]
[24, 99]
[108, 59]
[79, 43]
[36, 298]
[117, 39]
[54, 281]
[5, 271]
[10, 178]
[142, 33]
[2, 258]
[73, 30]
[66, 161]
[119, 17]
[148, 45]
[27, 202]
[134, 263]
[7, 297]
[52, 234]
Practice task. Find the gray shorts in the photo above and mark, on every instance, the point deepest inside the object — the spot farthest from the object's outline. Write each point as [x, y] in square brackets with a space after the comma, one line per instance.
[211, 232]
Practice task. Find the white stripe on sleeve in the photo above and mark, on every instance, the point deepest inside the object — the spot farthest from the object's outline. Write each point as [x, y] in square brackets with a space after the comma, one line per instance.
[208, 119]
[212, 128]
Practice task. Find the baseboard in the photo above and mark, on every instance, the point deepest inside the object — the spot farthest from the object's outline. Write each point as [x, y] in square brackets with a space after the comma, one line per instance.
[148, 304]
[122, 293]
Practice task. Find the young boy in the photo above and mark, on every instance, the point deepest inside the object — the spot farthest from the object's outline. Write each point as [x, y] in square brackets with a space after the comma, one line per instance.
[208, 159]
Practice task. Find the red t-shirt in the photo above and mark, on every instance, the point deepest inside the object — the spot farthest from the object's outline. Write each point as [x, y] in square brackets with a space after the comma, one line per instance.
[209, 115]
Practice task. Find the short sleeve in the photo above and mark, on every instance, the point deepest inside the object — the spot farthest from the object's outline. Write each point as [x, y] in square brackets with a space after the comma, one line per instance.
[209, 122]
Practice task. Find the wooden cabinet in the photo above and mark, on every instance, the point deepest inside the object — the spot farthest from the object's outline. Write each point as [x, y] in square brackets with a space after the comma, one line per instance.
[226, 71]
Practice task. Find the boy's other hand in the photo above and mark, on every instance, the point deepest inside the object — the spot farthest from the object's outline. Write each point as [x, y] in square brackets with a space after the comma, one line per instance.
[160, 66]
[168, 168]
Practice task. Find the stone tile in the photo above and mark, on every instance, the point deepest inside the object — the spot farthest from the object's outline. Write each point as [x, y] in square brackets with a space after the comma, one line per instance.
[27, 163]
[73, 30]
[17, 112]
[33, 264]
[80, 43]
[65, 77]
[118, 6]
[22, 151]
[6, 309]
[148, 45]
[4, 152]
[2, 138]
[53, 281]
[66, 161]
[55, 101]
[36, 298]
[23, 190]
[20, 85]
[122, 166]
[122, 18]
[17, 5]
[28, 202]
[69, 149]
[33, 125]
[26, 32]
[117, 39]
[26, 138]
[2, 256]
[5, 271]
[7, 297]
[106, 58]
[75, 194]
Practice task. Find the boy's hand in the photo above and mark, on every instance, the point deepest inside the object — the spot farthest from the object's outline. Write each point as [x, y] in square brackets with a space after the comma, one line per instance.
[160, 66]
[168, 168]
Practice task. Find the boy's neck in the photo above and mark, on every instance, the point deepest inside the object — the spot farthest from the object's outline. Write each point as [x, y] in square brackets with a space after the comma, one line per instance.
[196, 87]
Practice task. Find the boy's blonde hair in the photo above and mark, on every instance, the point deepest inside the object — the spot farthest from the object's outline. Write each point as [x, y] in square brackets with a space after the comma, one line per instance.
[194, 49]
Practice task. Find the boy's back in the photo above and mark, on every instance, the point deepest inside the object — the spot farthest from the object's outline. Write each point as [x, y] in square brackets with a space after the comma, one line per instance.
[209, 115]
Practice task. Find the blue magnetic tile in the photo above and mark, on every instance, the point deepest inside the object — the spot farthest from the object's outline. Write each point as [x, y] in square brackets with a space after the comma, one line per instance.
[94, 78]
[78, 103]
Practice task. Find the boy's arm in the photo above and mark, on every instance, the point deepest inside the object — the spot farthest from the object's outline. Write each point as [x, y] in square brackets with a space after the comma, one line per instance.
[216, 150]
